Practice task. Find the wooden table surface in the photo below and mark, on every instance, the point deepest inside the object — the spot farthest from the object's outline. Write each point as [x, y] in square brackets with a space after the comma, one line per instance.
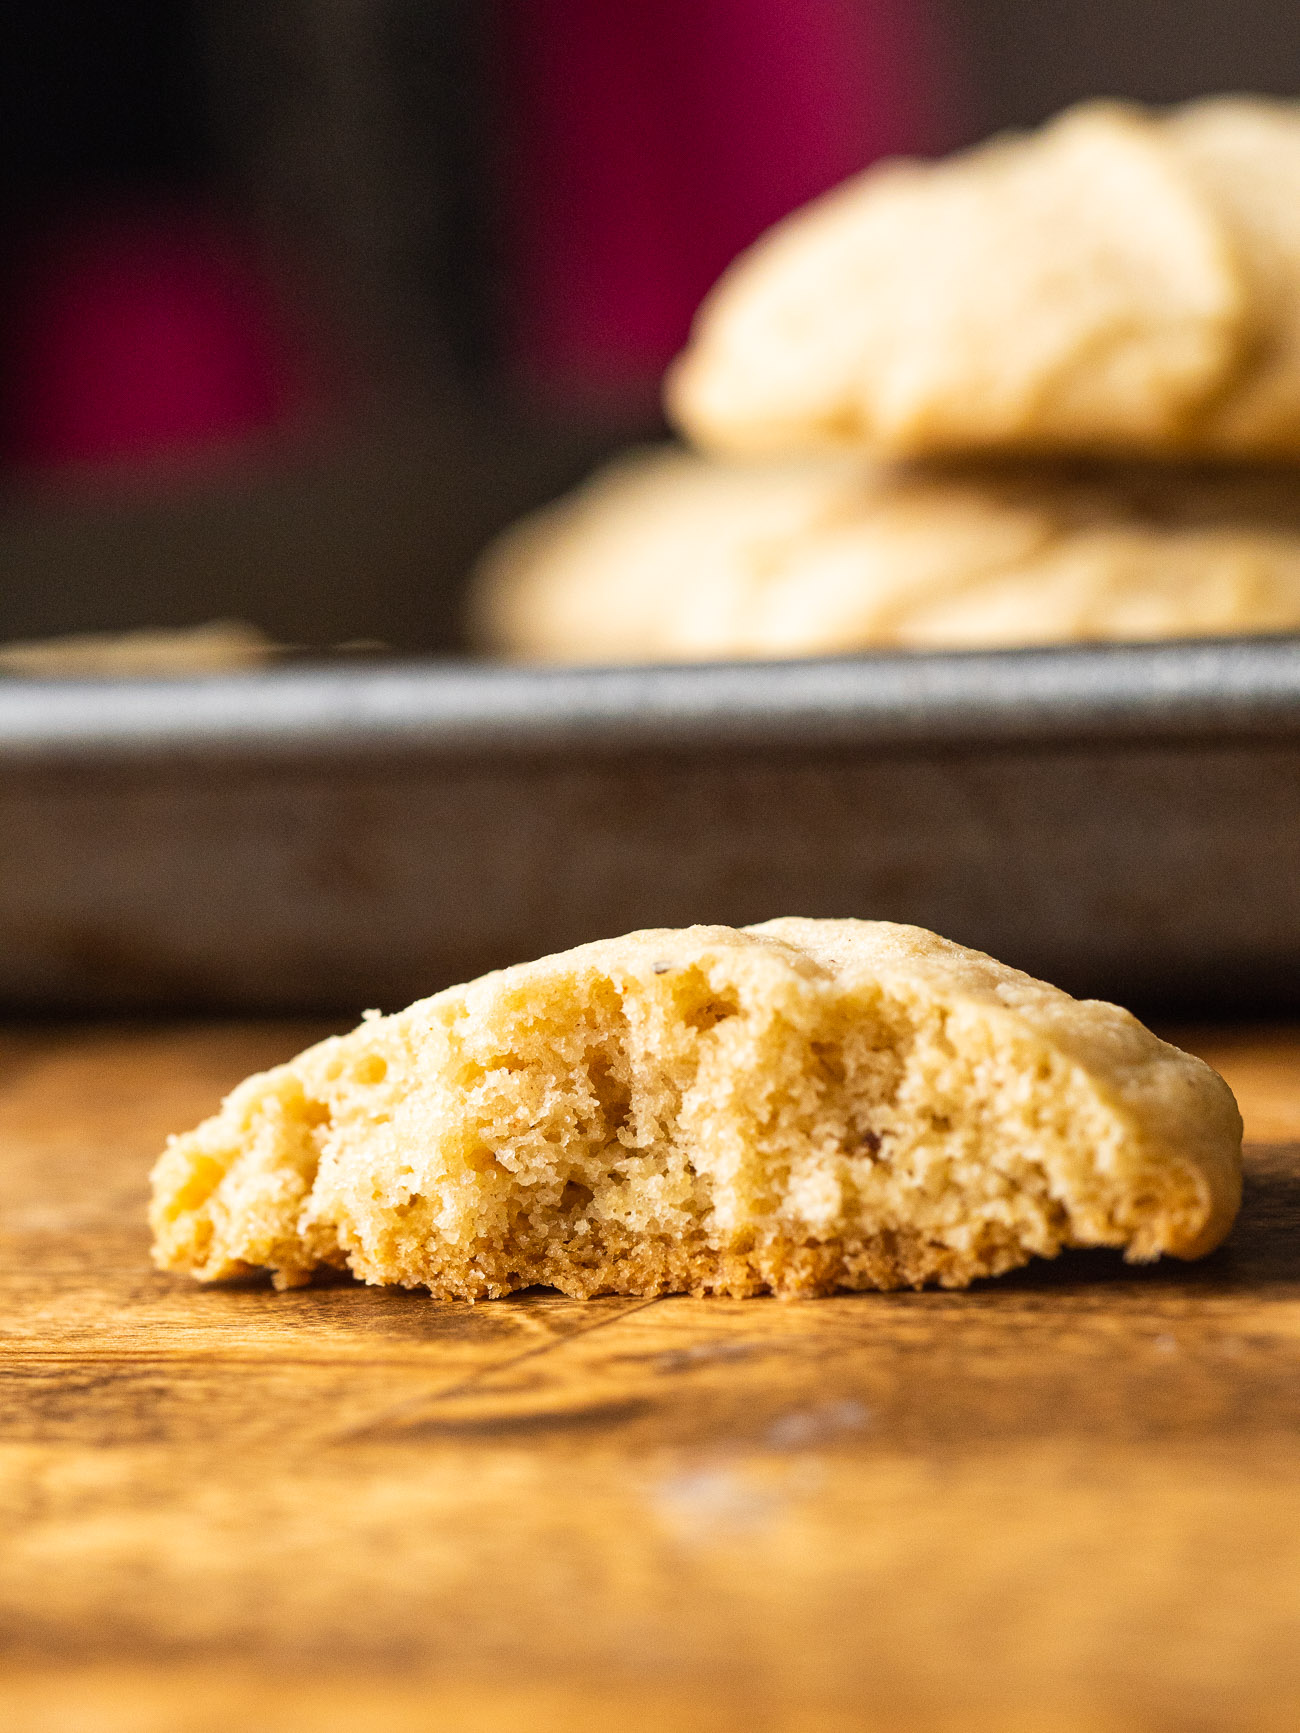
[1068, 1500]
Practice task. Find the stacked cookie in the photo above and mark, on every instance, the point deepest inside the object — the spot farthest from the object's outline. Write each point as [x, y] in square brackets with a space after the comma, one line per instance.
[1048, 390]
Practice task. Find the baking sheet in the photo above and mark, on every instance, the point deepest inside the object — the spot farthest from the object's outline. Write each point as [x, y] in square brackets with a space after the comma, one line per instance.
[1124, 820]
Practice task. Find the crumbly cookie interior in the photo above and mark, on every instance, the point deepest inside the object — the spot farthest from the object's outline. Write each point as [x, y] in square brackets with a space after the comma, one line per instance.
[736, 1122]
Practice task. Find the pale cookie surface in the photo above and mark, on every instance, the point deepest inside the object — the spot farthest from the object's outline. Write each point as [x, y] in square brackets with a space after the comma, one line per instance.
[793, 1107]
[1245, 154]
[667, 556]
[1070, 288]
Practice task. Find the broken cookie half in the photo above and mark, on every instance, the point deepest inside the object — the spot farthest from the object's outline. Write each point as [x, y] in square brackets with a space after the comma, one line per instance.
[795, 1107]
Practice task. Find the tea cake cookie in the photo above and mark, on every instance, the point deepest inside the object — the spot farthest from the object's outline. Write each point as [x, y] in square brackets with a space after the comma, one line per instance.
[792, 1107]
[1069, 288]
[158, 653]
[1245, 155]
[667, 556]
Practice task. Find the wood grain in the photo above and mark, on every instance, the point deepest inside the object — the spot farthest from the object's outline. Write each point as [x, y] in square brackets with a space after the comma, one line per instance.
[1066, 1502]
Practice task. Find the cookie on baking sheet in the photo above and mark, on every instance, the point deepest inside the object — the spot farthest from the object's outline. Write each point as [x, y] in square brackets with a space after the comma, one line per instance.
[1072, 288]
[161, 653]
[1245, 154]
[666, 556]
[794, 1107]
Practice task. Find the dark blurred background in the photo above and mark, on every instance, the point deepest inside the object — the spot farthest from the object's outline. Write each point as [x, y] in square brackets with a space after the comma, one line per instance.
[301, 299]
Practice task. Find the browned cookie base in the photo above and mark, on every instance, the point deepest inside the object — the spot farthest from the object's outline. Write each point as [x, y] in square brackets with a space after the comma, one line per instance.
[789, 1268]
